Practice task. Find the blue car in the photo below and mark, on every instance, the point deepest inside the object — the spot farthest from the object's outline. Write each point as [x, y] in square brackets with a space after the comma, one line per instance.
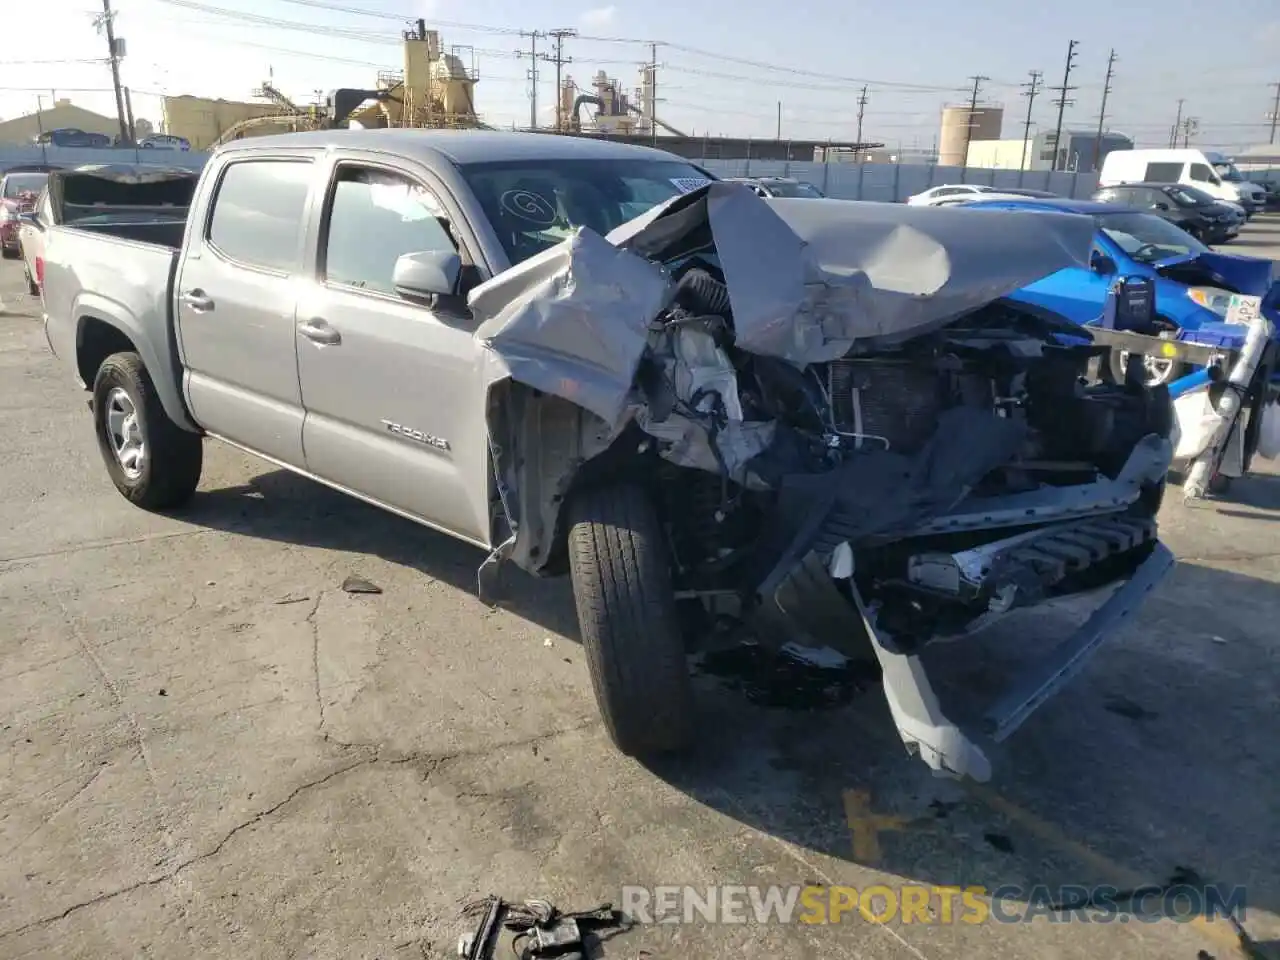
[1193, 284]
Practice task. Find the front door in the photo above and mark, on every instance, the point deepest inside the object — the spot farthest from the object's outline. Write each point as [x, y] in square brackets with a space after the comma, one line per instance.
[392, 388]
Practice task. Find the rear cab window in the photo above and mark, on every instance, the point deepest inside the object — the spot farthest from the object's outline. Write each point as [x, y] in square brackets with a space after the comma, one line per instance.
[374, 217]
[258, 213]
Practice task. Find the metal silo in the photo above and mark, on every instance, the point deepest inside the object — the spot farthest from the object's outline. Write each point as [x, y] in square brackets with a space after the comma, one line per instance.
[956, 133]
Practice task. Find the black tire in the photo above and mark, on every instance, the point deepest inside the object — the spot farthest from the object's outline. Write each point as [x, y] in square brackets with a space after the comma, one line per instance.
[170, 469]
[1220, 485]
[621, 572]
[9, 254]
[32, 287]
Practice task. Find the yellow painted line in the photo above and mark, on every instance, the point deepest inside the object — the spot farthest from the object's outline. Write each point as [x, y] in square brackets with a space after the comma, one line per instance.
[1220, 933]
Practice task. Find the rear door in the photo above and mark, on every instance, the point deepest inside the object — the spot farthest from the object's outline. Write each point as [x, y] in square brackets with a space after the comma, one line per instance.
[236, 297]
[392, 387]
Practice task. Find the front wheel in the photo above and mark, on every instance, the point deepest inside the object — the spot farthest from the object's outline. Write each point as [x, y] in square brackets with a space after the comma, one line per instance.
[152, 461]
[621, 572]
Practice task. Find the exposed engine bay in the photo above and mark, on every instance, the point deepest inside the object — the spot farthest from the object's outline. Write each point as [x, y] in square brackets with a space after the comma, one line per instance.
[998, 377]
[851, 433]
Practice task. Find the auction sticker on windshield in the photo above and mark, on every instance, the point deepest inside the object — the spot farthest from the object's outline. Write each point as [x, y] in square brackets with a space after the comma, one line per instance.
[688, 184]
[1243, 310]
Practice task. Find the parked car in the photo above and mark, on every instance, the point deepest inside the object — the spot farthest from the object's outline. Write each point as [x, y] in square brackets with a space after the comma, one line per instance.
[18, 193]
[780, 187]
[586, 357]
[967, 198]
[934, 195]
[1212, 173]
[1187, 208]
[1193, 284]
[164, 141]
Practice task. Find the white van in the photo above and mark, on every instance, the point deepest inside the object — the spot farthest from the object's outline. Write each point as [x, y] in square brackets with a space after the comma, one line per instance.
[1211, 172]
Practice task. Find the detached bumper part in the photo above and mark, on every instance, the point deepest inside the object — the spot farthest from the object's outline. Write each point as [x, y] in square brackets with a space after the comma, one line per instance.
[950, 750]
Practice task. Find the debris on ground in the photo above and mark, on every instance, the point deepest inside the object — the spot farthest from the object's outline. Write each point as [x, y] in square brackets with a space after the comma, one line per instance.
[1124, 707]
[540, 929]
[355, 584]
[998, 841]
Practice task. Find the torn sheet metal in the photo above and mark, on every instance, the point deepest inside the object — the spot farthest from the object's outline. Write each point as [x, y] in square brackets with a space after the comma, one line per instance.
[807, 280]
[573, 321]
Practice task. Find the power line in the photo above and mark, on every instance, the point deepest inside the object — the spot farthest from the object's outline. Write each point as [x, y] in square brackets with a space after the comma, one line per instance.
[1031, 89]
[968, 127]
[532, 54]
[653, 91]
[105, 22]
[862, 106]
[1274, 115]
[1177, 122]
[1063, 101]
[1189, 126]
[559, 59]
[1102, 110]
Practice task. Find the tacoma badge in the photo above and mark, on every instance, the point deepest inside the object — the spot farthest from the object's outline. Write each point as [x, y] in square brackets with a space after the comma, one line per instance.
[438, 442]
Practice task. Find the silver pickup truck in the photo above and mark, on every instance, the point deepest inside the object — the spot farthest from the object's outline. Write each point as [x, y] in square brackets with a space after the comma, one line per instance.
[821, 418]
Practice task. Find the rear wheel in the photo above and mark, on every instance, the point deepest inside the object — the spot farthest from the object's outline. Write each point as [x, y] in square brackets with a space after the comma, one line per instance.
[9, 253]
[32, 287]
[621, 572]
[152, 461]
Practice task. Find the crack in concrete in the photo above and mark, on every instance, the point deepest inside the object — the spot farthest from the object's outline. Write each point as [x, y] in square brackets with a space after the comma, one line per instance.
[430, 762]
[315, 655]
[105, 544]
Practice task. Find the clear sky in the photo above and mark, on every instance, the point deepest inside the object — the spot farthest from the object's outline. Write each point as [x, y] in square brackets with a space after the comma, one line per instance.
[723, 67]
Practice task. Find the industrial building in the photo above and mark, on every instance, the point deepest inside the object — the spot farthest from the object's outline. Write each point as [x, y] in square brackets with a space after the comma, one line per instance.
[62, 114]
[1037, 153]
[961, 126]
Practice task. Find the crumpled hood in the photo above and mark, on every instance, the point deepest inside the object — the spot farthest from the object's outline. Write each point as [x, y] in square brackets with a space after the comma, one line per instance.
[807, 280]
[1249, 275]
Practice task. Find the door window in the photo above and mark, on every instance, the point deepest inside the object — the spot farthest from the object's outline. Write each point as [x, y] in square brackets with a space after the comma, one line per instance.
[1201, 173]
[375, 217]
[258, 213]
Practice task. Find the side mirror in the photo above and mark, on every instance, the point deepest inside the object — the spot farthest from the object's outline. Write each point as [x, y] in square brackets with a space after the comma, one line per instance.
[1159, 206]
[1102, 264]
[430, 273]
[31, 218]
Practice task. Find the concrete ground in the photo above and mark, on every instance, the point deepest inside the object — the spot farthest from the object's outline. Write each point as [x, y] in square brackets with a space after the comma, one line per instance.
[211, 750]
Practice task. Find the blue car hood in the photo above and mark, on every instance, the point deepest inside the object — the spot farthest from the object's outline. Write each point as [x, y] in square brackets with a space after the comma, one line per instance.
[1249, 275]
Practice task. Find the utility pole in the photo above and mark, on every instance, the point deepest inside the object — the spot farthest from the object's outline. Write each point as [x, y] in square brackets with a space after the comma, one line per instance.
[653, 91]
[968, 127]
[862, 107]
[1063, 101]
[1030, 90]
[778, 136]
[559, 59]
[1102, 110]
[1274, 115]
[532, 54]
[1177, 122]
[105, 22]
[1189, 126]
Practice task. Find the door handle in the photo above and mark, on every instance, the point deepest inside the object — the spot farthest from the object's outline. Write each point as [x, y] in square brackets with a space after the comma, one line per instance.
[320, 332]
[197, 300]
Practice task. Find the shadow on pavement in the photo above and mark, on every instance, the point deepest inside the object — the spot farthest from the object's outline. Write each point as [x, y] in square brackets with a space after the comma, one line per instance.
[1162, 755]
[1159, 757]
[285, 507]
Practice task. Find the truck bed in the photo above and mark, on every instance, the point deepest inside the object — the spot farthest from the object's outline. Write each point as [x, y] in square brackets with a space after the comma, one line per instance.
[108, 272]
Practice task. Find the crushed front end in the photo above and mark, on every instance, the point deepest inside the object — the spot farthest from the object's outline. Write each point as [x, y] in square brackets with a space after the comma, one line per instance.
[855, 440]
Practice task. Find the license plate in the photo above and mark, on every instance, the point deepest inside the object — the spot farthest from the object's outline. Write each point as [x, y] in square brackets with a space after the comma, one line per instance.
[1243, 310]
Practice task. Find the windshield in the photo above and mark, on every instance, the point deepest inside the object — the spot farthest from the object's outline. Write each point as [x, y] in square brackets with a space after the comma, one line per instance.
[1189, 196]
[535, 204]
[16, 184]
[1147, 238]
[1228, 171]
[783, 189]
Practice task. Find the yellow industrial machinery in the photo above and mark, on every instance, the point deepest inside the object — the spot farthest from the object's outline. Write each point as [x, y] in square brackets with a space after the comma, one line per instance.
[435, 89]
